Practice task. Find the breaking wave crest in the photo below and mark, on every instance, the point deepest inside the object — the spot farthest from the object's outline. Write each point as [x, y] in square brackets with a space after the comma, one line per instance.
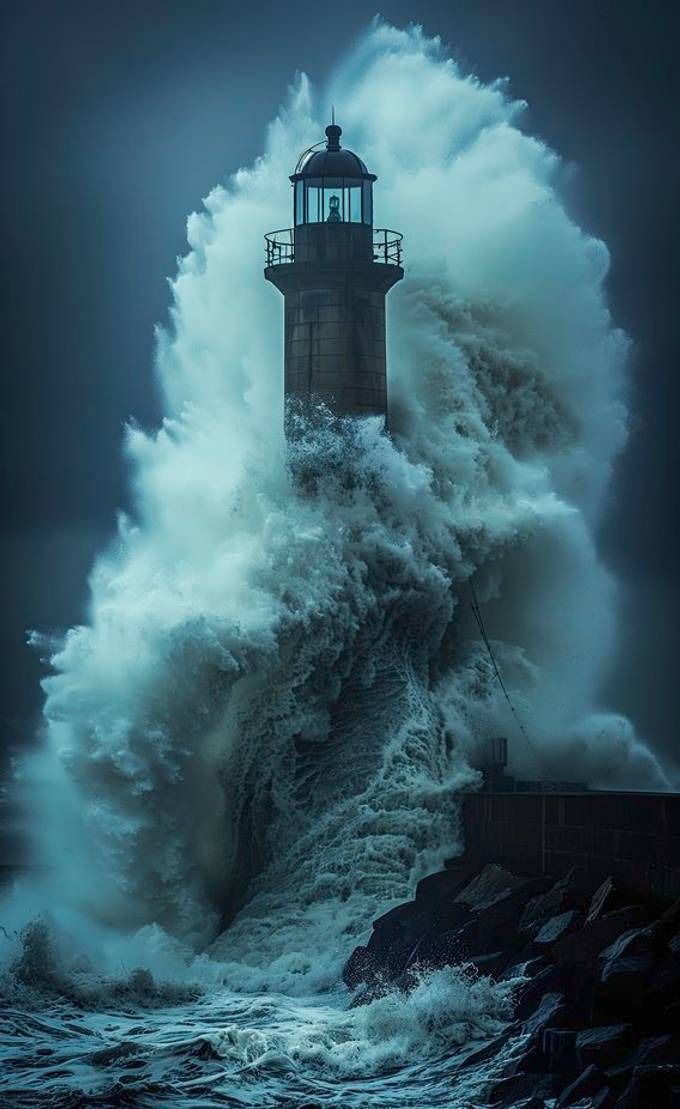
[280, 690]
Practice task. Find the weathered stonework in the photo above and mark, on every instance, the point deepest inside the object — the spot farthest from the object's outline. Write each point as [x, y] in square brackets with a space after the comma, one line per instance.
[335, 318]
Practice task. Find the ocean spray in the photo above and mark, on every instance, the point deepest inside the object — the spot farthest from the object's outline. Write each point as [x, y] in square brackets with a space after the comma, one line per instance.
[272, 706]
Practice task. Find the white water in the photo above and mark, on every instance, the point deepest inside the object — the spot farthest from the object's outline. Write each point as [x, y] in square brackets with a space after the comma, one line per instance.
[274, 700]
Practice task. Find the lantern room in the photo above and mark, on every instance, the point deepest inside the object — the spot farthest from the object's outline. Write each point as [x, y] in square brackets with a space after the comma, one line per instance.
[332, 185]
[334, 270]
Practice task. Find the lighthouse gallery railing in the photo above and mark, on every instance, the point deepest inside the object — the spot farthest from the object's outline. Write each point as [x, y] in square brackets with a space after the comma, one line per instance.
[280, 246]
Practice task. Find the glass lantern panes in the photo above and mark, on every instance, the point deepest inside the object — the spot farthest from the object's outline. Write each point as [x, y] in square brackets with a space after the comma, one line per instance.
[333, 200]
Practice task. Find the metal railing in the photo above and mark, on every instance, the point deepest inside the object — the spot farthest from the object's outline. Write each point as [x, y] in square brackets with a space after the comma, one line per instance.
[387, 246]
[280, 246]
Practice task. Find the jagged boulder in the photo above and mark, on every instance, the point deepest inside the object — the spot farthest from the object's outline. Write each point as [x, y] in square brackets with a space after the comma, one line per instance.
[668, 924]
[557, 898]
[495, 926]
[489, 1050]
[400, 917]
[652, 1087]
[494, 883]
[664, 988]
[605, 1045]
[606, 899]
[437, 896]
[559, 1049]
[577, 954]
[635, 941]
[444, 884]
[546, 980]
[436, 949]
[395, 936]
[360, 967]
[625, 982]
[461, 914]
[577, 950]
[653, 1049]
[551, 1012]
[590, 1088]
[598, 960]
[558, 926]
[518, 1088]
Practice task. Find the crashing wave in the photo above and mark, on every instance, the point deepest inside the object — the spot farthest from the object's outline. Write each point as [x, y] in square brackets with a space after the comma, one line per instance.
[273, 704]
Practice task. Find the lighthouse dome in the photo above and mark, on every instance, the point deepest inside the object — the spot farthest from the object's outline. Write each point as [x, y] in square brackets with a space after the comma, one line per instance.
[332, 185]
[334, 161]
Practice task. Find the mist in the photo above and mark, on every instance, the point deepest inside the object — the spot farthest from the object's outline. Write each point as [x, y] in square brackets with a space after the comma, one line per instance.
[280, 690]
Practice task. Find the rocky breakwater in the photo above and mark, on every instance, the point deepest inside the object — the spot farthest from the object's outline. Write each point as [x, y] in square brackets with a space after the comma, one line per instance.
[597, 1001]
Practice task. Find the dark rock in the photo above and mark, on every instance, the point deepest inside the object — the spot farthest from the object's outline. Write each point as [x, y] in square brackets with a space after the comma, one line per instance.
[495, 926]
[659, 934]
[625, 979]
[558, 926]
[604, 1099]
[669, 922]
[395, 937]
[448, 914]
[548, 980]
[577, 950]
[674, 944]
[436, 897]
[528, 968]
[606, 898]
[560, 897]
[590, 1088]
[431, 888]
[494, 963]
[665, 985]
[493, 883]
[399, 917]
[635, 941]
[436, 949]
[360, 967]
[671, 1015]
[445, 883]
[652, 1087]
[558, 1047]
[487, 1051]
[655, 1049]
[604, 1046]
[518, 1088]
[552, 1012]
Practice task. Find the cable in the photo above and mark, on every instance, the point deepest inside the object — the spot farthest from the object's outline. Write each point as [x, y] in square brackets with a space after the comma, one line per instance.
[480, 623]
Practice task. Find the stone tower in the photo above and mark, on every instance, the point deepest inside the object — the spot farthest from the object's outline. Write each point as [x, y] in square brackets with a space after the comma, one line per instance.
[334, 270]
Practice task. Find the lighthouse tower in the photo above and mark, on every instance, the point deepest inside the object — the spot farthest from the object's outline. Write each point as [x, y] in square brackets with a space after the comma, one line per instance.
[334, 270]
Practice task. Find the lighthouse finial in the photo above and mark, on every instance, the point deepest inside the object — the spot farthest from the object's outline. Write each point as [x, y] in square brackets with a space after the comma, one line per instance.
[333, 133]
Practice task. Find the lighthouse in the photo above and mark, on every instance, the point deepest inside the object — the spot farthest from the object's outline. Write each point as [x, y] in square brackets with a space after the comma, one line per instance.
[334, 270]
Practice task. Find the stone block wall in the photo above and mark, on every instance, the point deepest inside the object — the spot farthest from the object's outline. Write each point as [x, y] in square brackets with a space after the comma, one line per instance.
[335, 347]
[634, 837]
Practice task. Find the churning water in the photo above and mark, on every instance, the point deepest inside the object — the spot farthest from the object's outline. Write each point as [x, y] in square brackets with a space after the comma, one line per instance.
[273, 704]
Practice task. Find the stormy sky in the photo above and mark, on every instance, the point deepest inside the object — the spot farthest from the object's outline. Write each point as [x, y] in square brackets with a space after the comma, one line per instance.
[118, 118]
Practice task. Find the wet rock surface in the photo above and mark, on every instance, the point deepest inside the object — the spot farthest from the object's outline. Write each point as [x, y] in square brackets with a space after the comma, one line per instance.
[597, 975]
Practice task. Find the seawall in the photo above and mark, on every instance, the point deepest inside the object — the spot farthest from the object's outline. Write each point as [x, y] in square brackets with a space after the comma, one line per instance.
[631, 837]
[573, 897]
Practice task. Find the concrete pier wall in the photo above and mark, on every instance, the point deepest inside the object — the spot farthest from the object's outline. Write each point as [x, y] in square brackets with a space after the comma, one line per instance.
[634, 837]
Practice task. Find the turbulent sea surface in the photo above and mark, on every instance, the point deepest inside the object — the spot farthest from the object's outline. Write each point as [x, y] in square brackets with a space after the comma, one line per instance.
[269, 1050]
[256, 743]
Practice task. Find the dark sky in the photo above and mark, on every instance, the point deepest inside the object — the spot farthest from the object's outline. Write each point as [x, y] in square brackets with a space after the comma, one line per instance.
[118, 117]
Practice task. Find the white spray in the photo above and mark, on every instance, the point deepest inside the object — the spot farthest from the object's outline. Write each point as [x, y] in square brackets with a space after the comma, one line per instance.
[275, 695]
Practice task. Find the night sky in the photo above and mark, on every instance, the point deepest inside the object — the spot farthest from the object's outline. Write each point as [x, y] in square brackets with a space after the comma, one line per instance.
[119, 117]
